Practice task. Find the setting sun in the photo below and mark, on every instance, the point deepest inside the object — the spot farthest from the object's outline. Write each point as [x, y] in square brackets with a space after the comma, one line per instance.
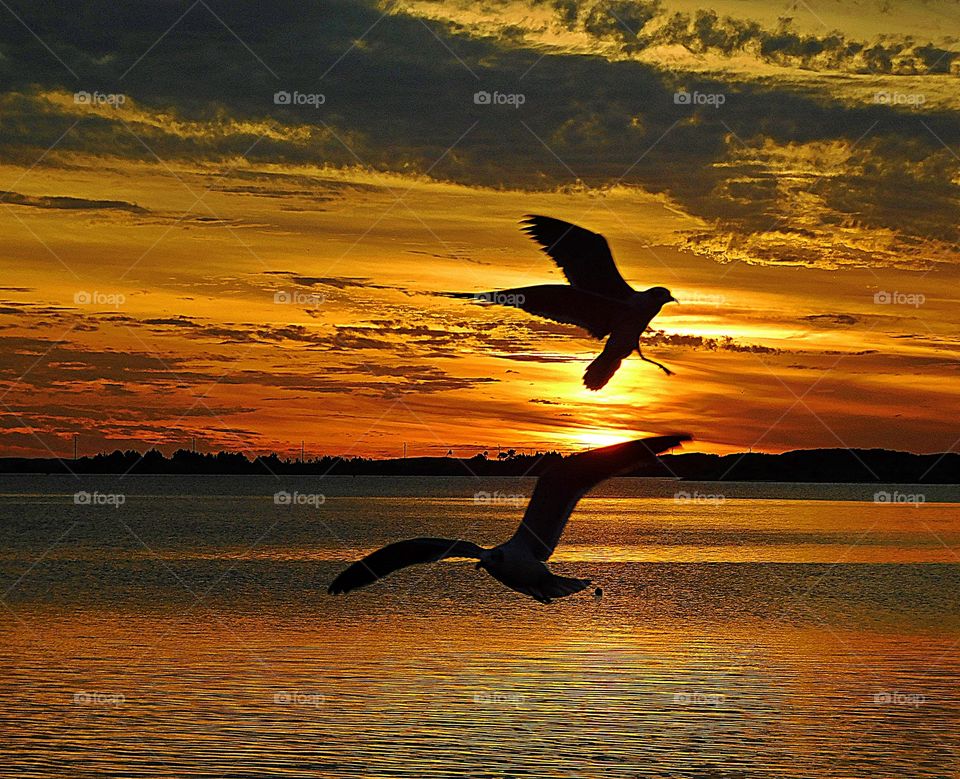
[592, 439]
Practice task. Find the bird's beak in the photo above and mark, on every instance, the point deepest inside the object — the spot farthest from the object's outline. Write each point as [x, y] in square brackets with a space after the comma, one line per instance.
[673, 300]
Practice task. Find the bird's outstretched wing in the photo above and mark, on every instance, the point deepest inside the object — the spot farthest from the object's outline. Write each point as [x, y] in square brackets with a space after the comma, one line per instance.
[559, 489]
[560, 303]
[399, 555]
[583, 256]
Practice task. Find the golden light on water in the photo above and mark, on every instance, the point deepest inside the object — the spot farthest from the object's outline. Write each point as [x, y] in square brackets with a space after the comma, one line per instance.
[781, 608]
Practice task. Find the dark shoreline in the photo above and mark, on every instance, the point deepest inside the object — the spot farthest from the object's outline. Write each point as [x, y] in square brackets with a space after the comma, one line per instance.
[853, 466]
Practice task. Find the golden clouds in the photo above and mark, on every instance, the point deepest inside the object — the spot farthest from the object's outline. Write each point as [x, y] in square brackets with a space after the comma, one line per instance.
[285, 318]
[199, 259]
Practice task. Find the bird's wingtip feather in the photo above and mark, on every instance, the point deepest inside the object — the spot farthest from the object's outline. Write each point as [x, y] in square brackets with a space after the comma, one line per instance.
[678, 438]
[529, 222]
[339, 585]
[662, 443]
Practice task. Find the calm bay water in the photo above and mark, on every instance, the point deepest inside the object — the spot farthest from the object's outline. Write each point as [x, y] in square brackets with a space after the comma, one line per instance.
[744, 630]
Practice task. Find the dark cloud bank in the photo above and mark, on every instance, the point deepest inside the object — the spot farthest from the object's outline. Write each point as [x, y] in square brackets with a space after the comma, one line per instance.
[398, 92]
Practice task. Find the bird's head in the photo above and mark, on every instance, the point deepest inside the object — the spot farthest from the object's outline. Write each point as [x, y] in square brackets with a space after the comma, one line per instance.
[490, 558]
[661, 295]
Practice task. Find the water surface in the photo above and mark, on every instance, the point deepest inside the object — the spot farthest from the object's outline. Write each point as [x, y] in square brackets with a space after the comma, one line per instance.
[744, 630]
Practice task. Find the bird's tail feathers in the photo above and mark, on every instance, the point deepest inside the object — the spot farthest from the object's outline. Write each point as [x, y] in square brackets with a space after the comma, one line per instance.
[600, 371]
[561, 586]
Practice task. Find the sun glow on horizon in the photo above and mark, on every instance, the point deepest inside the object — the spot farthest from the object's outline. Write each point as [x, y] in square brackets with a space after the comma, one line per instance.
[596, 438]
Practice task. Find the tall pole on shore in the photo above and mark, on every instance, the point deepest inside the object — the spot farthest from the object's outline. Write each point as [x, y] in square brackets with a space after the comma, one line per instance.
[404, 450]
[301, 452]
[74, 447]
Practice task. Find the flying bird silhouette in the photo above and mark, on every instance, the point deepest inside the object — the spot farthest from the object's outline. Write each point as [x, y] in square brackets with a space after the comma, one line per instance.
[519, 562]
[596, 299]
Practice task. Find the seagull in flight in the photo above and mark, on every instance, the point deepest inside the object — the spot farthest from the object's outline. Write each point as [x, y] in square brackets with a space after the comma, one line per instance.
[596, 299]
[519, 562]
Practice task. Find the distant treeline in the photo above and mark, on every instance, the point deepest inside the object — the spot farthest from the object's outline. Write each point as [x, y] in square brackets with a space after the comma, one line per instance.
[805, 465]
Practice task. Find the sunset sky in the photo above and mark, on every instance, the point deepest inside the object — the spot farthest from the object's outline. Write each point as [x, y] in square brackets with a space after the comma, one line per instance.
[184, 256]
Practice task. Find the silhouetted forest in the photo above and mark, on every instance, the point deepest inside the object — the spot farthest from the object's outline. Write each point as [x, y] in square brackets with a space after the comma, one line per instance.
[805, 465]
